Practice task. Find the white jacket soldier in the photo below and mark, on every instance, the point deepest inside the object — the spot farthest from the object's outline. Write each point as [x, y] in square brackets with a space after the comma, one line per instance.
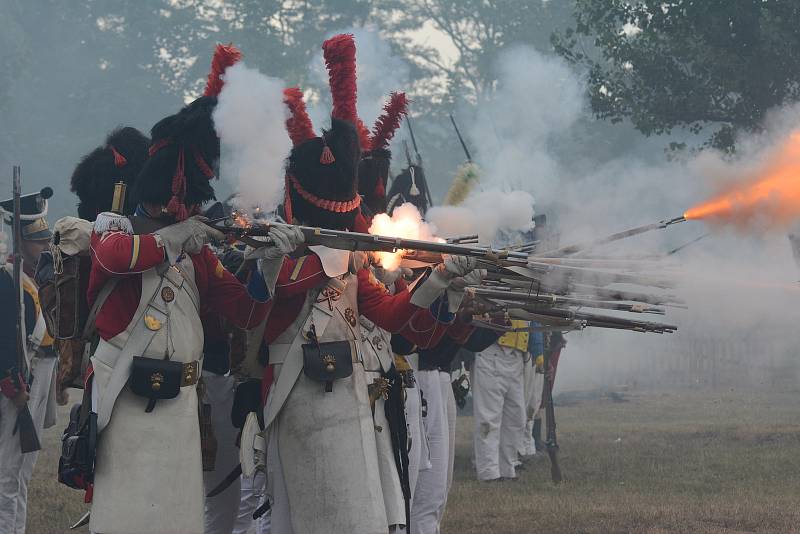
[32, 385]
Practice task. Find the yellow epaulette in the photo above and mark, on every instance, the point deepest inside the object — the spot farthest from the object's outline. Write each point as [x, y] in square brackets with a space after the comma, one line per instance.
[516, 340]
[401, 363]
[30, 288]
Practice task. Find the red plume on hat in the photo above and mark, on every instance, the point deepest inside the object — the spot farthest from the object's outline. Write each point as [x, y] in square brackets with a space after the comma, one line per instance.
[388, 123]
[299, 123]
[224, 56]
[340, 58]
[363, 136]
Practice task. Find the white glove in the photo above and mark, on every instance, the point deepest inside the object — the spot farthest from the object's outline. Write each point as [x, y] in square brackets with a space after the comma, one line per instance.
[359, 260]
[388, 278]
[285, 238]
[457, 265]
[472, 278]
[455, 293]
[187, 236]
[440, 278]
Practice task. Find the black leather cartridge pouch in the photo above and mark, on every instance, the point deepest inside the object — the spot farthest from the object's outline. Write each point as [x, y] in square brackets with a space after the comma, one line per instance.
[155, 379]
[329, 361]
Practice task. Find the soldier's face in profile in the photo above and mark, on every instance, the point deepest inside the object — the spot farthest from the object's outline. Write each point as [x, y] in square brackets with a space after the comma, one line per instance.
[32, 249]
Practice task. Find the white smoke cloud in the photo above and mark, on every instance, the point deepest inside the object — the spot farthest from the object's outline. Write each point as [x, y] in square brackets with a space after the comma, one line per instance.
[249, 119]
[537, 99]
[536, 134]
[484, 213]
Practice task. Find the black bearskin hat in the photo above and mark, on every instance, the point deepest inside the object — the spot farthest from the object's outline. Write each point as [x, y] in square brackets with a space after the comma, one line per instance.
[409, 186]
[322, 172]
[373, 174]
[120, 159]
[184, 154]
[182, 143]
[327, 195]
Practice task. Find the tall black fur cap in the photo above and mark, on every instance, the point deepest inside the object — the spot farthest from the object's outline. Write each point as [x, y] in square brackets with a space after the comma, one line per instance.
[373, 175]
[337, 181]
[192, 128]
[94, 177]
[403, 187]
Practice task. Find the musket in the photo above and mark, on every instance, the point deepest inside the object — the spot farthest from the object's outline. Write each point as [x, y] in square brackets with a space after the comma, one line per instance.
[413, 141]
[461, 139]
[408, 154]
[344, 240]
[618, 294]
[550, 414]
[463, 239]
[28, 439]
[559, 275]
[574, 249]
[545, 300]
[603, 321]
[418, 157]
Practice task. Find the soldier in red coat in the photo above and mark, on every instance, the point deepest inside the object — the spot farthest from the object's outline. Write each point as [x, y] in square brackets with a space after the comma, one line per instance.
[322, 466]
[152, 274]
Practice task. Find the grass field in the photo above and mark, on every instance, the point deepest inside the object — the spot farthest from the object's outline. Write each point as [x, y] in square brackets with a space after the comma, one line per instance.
[724, 461]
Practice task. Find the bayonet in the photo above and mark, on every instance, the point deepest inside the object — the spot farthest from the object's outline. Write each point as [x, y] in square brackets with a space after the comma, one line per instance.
[461, 139]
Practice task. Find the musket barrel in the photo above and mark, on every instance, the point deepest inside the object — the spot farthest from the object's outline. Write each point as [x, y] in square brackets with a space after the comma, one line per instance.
[574, 249]
[345, 240]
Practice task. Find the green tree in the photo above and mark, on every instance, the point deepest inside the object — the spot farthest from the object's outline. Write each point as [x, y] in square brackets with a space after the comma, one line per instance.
[711, 65]
[73, 71]
[476, 30]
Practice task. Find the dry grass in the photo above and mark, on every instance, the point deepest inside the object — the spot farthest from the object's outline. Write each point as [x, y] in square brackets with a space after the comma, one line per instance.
[694, 462]
[710, 462]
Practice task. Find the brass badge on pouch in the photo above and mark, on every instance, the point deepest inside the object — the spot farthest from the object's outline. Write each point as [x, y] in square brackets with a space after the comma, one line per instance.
[350, 315]
[152, 323]
[167, 294]
[155, 381]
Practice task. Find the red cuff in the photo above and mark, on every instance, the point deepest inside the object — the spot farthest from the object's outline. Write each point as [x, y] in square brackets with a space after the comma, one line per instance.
[10, 387]
[460, 331]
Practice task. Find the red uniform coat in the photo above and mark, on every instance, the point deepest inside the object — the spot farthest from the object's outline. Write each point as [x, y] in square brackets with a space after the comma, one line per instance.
[392, 312]
[125, 255]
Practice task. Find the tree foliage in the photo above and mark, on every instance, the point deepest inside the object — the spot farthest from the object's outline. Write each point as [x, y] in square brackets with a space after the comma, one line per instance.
[476, 31]
[716, 65]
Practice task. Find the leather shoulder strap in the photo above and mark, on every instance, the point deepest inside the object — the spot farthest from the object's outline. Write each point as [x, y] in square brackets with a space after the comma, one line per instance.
[105, 291]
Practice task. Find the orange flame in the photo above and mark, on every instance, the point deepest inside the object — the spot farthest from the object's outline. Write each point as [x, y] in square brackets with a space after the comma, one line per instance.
[405, 222]
[769, 198]
[241, 219]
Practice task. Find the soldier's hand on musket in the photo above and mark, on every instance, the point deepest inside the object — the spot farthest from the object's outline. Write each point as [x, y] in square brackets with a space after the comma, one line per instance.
[359, 260]
[188, 236]
[21, 398]
[473, 278]
[285, 240]
[387, 277]
[455, 266]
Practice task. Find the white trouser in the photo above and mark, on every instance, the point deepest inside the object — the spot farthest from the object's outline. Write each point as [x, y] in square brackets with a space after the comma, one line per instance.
[16, 468]
[416, 432]
[253, 496]
[499, 406]
[534, 385]
[221, 510]
[451, 412]
[431, 491]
